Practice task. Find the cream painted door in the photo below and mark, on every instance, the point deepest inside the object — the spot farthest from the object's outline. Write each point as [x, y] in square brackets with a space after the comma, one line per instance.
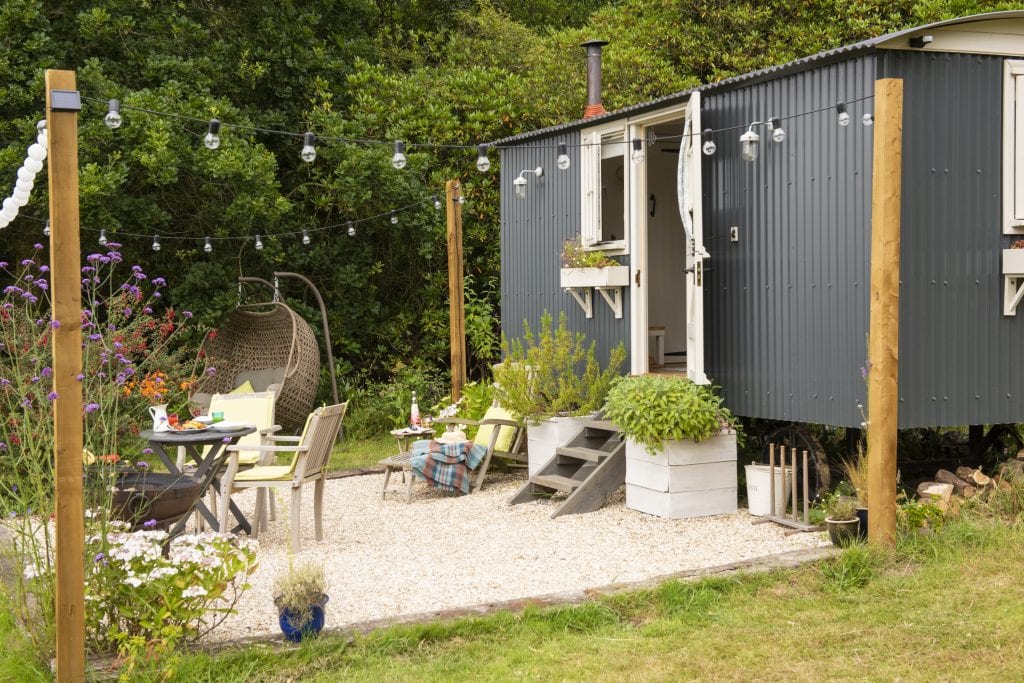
[689, 193]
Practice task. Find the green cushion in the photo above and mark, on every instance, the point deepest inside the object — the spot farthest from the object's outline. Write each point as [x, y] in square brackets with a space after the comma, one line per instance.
[505, 434]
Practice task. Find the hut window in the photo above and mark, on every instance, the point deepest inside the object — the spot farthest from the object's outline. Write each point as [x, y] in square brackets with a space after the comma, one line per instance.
[603, 186]
[1013, 147]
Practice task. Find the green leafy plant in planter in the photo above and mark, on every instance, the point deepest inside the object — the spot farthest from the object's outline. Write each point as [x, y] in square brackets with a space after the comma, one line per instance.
[652, 409]
[840, 517]
[575, 256]
[554, 373]
[300, 596]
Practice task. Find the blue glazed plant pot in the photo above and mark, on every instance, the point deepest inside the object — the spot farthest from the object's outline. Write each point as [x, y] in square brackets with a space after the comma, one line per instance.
[288, 619]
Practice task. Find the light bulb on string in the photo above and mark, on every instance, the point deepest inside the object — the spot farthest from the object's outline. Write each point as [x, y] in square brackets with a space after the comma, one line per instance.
[637, 155]
[103, 237]
[156, 242]
[709, 147]
[259, 243]
[483, 164]
[34, 165]
[778, 132]
[563, 162]
[36, 151]
[113, 118]
[212, 139]
[748, 144]
[308, 153]
[842, 116]
[351, 229]
[398, 158]
[46, 228]
[868, 119]
[437, 203]
[305, 237]
[26, 174]
[394, 217]
[461, 199]
[24, 185]
[208, 246]
[41, 127]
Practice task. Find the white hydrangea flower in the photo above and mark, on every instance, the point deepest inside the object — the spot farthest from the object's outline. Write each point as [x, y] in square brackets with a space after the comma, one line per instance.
[193, 592]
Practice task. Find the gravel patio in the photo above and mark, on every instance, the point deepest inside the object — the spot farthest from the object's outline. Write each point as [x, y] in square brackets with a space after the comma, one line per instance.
[388, 560]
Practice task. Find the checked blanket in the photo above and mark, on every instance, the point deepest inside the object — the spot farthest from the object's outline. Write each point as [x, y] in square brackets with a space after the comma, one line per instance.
[447, 466]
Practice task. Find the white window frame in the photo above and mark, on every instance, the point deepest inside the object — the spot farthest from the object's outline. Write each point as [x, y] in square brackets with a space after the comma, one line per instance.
[1013, 147]
[599, 143]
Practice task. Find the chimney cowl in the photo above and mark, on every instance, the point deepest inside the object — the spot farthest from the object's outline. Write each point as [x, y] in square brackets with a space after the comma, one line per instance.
[594, 105]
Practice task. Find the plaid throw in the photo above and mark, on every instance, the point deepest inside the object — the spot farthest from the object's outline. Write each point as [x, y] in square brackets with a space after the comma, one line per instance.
[446, 466]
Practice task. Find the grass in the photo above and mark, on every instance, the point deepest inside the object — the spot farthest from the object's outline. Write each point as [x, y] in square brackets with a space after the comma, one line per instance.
[352, 454]
[866, 615]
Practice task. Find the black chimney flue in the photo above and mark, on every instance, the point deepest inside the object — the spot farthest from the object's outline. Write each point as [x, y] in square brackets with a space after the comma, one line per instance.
[594, 105]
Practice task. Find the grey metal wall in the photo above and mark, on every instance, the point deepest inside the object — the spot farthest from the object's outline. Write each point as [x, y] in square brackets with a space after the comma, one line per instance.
[532, 233]
[960, 358]
[786, 307]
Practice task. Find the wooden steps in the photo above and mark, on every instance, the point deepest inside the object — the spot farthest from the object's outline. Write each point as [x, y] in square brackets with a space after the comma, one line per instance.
[590, 467]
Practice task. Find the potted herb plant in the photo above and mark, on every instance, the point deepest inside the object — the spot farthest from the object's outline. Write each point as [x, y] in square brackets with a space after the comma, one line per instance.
[680, 449]
[300, 596]
[549, 381]
[590, 268]
[840, 518]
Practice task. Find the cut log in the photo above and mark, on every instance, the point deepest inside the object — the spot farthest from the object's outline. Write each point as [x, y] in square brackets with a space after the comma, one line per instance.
[1011, 469]
[974, 476]
[961, 487]
[936, 493]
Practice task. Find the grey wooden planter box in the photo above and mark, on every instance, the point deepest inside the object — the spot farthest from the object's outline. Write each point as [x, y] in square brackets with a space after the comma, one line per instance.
[685, 479]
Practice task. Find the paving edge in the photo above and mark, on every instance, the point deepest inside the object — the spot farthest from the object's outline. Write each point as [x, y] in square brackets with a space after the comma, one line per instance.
[764, 563]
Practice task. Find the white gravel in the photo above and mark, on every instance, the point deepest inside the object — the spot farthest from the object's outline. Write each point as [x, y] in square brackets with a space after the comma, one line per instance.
[388, 559]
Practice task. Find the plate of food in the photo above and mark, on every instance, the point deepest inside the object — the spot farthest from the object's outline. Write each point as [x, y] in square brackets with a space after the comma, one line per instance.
[189, 427]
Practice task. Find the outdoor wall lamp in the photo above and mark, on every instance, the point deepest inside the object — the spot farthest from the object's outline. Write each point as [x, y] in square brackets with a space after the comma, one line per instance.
[520, 182]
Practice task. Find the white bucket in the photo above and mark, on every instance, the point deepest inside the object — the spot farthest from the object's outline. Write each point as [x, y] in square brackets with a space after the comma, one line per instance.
[758, 493]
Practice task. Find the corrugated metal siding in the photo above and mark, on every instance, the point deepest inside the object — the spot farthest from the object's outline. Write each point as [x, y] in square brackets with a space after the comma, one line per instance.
[532, 233]
[960, 358]
[787, 306]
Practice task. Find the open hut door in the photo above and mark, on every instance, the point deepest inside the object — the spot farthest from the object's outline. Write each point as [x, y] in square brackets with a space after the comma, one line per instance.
[689, 192]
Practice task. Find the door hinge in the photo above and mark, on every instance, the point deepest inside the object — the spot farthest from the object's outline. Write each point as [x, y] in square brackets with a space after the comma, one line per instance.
[638, 277]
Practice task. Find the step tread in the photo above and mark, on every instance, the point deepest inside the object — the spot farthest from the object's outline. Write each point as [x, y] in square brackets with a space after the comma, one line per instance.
[600, 424]
[556, 481]
[582, 452]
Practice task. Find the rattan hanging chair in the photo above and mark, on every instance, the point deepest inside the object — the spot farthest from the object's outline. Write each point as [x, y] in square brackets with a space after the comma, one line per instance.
[272, 347]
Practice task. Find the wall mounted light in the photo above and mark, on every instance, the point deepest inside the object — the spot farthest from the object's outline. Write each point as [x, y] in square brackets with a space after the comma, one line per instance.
[748, 144]
[709, 147]
[920, 41]
[520, 182]
[842, 116]
[778, 132]
[563, 161]
[398, 158]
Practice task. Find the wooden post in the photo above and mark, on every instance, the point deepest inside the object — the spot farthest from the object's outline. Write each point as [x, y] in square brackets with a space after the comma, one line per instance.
[792, 483]
[65, 262]
[456, 293]
[883, 334]
[771, 478]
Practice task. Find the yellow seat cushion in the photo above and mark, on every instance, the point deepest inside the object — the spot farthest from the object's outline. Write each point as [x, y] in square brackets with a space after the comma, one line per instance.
[505, 434]
[243, 388]
[266, 473]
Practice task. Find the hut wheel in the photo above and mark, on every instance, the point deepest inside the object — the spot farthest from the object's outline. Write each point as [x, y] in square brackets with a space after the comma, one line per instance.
[796, 435]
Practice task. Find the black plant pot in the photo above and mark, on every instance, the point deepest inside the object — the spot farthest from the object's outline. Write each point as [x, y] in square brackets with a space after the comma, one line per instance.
[862, 530]
[842, 532]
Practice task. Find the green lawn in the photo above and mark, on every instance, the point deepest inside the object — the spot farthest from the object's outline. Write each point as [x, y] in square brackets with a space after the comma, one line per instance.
[946, 607]
[352, 454]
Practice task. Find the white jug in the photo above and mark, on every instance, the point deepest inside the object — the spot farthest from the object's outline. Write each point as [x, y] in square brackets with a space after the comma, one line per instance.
[159, 415]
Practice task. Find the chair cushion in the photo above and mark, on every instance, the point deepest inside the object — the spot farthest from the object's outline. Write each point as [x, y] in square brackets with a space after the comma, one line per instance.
[505, 435]
[243, 388]
[266, 473]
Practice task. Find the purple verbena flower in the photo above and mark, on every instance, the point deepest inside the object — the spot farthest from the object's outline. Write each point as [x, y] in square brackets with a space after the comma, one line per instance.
[99, 557]
[95, 337]
[187, 314]
[52, 396]
[92, 407]
[159, 282]
[79, 377]
[47, 371]
[37, 246]
[44, 268]
[28, 262]
[149, 524]
[147, 451]
[142, 465]
[55, 324]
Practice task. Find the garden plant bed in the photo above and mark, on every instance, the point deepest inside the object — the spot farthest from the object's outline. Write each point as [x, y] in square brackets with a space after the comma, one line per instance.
[391, 561]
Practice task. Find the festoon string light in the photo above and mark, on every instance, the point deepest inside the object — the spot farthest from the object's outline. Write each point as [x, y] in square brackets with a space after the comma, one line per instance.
[32, 164]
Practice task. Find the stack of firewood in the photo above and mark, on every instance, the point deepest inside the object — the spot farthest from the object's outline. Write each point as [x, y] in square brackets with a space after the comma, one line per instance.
[947, 489]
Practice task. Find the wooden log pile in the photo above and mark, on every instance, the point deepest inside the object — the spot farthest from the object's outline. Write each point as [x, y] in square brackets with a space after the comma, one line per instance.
[948, 489]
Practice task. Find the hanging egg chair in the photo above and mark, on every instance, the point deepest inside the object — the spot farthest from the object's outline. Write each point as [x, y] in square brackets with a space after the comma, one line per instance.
[271, 347]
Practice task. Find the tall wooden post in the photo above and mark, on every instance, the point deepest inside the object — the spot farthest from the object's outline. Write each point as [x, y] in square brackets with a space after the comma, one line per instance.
[456, 291]
[65, 261]
[883, 339]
